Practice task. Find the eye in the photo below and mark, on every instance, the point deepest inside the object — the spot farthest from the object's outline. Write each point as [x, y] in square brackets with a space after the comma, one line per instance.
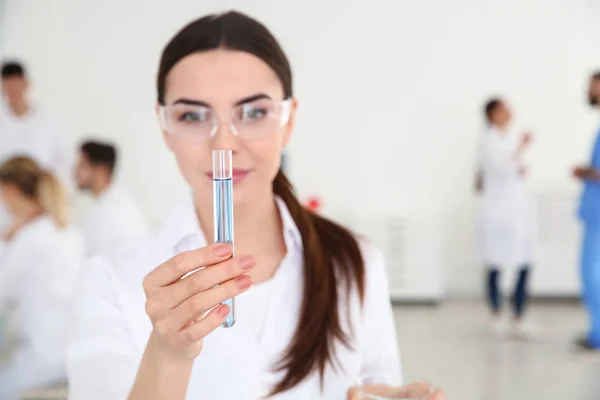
[250, 112]
[187, 115]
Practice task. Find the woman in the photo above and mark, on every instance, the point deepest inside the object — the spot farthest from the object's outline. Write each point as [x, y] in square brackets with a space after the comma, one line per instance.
[39, 261]
[318, 316]
[507, 220]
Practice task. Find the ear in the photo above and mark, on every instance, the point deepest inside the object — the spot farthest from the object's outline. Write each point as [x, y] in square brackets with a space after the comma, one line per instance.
[165, 135]
[289, 127]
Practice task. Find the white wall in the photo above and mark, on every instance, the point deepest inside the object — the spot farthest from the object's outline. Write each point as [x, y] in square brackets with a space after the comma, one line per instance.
[2, 25]
[389, 89]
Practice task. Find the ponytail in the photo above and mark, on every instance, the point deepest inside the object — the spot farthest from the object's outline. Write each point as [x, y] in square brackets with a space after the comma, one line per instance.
[53, 199]
[331, 254]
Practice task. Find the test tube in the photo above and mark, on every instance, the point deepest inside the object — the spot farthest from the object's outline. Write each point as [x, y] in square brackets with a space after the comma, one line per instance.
[223, 210]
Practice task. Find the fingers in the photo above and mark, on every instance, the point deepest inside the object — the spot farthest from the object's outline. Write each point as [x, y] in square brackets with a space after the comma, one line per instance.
[206, 279]
[199, 330]
[175, 268]
[353, 393]
[414, 390]
[193, 308]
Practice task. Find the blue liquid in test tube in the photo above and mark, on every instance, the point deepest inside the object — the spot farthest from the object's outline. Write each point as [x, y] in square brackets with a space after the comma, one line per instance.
[223, 210]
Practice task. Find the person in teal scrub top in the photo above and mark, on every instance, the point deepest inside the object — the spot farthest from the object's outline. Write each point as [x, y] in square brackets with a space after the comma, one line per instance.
[589, 213]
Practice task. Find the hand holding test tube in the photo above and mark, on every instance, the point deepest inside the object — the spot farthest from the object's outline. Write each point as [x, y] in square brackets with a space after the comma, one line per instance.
[223, 209]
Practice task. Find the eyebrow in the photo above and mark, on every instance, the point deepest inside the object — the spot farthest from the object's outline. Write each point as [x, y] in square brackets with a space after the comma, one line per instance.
[255, 97]
[201, 103]
[190, 102]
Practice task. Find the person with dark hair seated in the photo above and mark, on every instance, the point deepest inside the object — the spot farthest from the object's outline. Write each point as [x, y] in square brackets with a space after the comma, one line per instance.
[113, 218]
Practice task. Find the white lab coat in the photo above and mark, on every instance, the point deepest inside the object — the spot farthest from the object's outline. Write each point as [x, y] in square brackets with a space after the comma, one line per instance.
[38, 271]
[112, 220]
[37, 135]
[5, 216]
[112, 329]
[507, 222]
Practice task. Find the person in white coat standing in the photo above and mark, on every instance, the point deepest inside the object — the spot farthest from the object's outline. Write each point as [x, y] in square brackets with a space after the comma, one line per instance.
[507, 219]
[40, 256]
[113, 218]
[148, 316]
[27, 130]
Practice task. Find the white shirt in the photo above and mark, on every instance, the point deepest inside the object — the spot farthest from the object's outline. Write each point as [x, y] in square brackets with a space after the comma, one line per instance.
[112, 220]
[507, 209]
[38, 136]
[112, 329]
[38, 271]
[4, 216]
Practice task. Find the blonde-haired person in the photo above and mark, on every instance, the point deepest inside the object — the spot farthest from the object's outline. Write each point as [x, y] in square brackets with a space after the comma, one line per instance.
[39, 260]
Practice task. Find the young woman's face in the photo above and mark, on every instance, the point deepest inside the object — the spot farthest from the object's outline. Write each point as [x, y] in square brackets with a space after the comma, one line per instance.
[229, 85]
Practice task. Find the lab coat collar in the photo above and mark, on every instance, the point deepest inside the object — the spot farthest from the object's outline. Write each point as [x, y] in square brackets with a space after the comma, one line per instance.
[8, 112]
[110, 192]
[182, 224]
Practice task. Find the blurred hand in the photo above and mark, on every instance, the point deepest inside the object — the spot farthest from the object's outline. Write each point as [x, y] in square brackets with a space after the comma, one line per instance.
[523, 171]
[526, 139]
[581, 172]
[413, 391]
[178, 307]
[479, 182]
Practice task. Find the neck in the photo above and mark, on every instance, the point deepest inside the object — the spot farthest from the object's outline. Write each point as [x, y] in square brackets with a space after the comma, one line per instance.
[501, 128]
[257, 226]
[100, 186]
[28, 210]
[19, 107]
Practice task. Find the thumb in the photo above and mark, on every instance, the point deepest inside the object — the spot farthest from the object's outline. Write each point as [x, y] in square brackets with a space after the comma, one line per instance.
[352, 393]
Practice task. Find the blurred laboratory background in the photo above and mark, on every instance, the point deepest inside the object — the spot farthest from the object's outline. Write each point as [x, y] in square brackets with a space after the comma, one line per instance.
[388, 143]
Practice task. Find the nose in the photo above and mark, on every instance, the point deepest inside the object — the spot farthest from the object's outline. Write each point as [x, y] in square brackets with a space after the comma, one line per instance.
[225, 138]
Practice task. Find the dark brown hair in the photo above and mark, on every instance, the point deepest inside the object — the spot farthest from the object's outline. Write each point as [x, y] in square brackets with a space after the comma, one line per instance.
[332, 256]
[12, 69]
[100, 154]
[491, 106]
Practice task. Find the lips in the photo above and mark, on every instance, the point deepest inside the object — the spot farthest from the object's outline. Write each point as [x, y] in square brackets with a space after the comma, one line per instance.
[238, 174]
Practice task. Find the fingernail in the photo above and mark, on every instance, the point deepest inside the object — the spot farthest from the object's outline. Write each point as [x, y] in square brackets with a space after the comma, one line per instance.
[223, 310]
[243, 282]
[222, 250]
[247, 262]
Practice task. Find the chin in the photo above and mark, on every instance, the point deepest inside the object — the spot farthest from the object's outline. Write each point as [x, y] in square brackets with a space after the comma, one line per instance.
[242, 197]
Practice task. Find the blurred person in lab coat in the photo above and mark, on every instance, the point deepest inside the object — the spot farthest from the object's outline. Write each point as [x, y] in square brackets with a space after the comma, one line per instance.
[26, 129]
[39, 260]
[589, 213]
[113, 218]
[313, 312]
[506, 221]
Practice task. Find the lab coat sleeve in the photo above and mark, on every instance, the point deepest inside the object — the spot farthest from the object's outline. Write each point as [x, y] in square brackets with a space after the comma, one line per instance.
[102, 359]
[479, 154]
[379, 350]
[500, 161]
